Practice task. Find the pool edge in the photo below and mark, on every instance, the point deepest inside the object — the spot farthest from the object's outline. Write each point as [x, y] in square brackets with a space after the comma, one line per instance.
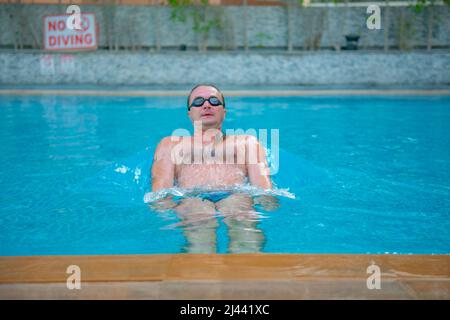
[242, 93]
[226, 276]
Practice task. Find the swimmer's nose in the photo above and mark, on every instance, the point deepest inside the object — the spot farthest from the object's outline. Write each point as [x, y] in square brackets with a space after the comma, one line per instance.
[206, 105]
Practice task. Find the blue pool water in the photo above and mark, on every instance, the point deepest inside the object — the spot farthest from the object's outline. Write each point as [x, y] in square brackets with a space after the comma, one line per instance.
[369, 175]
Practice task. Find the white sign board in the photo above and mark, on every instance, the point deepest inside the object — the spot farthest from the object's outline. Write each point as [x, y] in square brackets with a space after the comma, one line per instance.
[58, 37]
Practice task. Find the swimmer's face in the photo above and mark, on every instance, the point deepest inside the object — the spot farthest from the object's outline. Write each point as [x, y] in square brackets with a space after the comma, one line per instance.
[210, 116]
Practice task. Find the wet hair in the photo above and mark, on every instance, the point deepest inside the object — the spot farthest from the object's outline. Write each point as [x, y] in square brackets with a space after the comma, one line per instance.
[205, 85]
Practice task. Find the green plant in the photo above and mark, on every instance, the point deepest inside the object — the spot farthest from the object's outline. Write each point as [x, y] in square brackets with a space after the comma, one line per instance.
[407, 28]
[203, 19]
[262, 37]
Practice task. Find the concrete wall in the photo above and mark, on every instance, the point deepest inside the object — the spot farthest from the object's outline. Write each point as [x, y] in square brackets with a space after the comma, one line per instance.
[267, 30]
[267, 26]
[140, 68]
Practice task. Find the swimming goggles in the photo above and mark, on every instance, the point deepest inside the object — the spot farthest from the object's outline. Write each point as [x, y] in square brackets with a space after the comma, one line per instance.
[199, 101]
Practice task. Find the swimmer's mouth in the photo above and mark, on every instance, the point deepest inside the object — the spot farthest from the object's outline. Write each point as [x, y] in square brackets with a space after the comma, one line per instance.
[207, 114]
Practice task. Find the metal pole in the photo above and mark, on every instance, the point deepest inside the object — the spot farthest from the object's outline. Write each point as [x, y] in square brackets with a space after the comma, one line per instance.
[155, 13]
[289, 25]
[386, 27]
[245, 25]
[430, 27]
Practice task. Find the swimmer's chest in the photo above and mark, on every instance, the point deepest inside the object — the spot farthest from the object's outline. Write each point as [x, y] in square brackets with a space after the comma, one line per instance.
[233, 151]
[208, 171]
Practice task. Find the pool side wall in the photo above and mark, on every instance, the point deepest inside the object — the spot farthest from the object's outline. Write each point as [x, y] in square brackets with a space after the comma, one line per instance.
[187, 68]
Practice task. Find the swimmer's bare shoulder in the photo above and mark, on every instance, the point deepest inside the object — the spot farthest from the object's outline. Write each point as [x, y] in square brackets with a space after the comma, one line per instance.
[163, 168]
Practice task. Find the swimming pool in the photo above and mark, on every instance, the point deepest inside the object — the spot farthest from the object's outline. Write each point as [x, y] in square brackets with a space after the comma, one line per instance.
[370, 174]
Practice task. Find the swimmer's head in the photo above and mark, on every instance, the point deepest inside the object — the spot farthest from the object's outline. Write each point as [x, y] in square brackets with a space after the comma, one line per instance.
[206, 104]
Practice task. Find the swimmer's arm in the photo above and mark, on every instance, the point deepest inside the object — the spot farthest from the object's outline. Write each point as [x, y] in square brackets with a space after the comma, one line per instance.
[259, 174]
[163, 168]
[257, 168]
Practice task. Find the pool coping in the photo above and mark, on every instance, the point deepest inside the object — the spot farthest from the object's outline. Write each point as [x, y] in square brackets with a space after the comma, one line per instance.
[244, 93]
[226, 276]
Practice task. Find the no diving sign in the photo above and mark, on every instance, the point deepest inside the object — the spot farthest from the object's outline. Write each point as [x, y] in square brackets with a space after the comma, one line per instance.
[59, 37]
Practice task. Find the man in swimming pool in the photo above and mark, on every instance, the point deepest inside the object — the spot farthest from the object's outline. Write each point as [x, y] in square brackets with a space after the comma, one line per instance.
[211, 160]
[206, 109]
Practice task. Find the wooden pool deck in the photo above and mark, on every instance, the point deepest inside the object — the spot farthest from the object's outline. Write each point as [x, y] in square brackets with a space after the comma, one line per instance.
[231, 276]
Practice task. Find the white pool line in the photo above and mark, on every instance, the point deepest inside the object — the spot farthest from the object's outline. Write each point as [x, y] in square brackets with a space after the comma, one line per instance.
[245, 93]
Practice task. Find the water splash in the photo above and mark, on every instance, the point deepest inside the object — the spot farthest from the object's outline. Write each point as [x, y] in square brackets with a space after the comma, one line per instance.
[253, 191]
[122, 169]
[128, 182]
